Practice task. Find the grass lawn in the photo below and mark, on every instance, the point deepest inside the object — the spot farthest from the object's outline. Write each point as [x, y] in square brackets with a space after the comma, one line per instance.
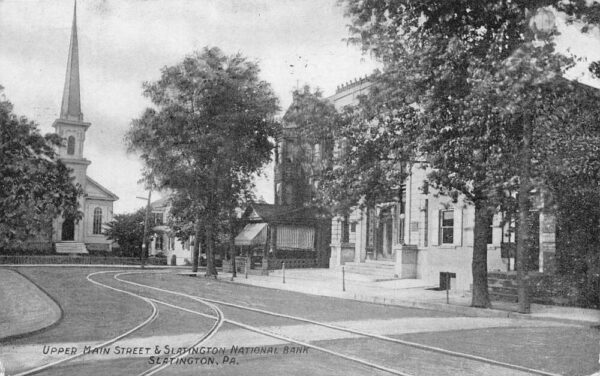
[25, 308]
[91, 313]
[564, 350]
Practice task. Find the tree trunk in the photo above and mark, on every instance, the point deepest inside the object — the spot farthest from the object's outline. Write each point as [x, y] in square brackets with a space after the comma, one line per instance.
[232, 252]
[483, 221]
[524, 220]
[196, 251]
[211, 271]
[267, 242]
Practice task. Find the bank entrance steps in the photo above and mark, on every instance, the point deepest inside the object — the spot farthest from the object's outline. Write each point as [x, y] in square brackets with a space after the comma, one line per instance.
[378, 270]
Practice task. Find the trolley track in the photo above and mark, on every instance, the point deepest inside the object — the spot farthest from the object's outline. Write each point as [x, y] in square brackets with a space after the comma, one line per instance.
[146, 322]
[361, 333]
[258, 330]
[219, 320]
[218, 317]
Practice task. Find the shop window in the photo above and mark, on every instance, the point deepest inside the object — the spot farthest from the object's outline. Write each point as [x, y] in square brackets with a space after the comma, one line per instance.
[447, 226]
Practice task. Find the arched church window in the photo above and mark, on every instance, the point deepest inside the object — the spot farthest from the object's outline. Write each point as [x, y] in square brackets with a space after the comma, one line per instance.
[71, 145]
[97, 228]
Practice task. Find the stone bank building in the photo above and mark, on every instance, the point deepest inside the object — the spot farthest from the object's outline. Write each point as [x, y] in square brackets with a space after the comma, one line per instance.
[421, 234]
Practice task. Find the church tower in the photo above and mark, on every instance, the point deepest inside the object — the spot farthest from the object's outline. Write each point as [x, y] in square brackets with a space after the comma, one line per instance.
[96, 203]
[71, 127]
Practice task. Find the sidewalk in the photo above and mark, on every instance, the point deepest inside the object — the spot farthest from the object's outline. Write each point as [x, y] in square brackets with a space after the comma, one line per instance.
[407, 293]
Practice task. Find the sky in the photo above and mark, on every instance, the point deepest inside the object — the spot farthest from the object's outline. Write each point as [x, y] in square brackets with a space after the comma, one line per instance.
[123, 43]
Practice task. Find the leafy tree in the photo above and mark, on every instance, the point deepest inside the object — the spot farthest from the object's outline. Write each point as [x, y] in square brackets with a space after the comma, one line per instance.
[128, 231]
[209, 130]
[226, 225]
[471, 77]
[572, 178]
[35, 187]
[372, 154]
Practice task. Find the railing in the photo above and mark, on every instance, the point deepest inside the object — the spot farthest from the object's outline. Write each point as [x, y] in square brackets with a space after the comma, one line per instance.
[294, 253]
[292, 263]
[80, 260]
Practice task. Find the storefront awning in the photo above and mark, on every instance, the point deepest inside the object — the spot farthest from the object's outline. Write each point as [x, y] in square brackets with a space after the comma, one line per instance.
[252, 234]
[295, 237]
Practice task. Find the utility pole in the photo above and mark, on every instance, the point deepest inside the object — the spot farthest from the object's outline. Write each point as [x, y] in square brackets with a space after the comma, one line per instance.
[143, 253]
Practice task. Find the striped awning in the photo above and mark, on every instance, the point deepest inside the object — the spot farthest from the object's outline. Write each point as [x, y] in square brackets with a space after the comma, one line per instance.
[252, 234]
[295, 237]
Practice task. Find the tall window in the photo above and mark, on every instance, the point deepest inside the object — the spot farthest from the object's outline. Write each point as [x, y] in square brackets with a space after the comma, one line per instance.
[426, 223]
[371, 227]
[71, 145]
[288, 150]
[345, 230]
[447, 226]
[316, 153]
[157, 219]
[97, 228]
[490, 234]
[401, 212]
[288, 198]
[158, 245]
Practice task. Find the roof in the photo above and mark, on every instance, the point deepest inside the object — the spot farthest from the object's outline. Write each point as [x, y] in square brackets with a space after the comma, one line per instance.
[160, 203]
[252, 234]
[71, 101]
[94, 190]
[281, 213]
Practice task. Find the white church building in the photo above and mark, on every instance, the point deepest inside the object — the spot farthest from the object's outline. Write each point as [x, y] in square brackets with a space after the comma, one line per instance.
[68, 235]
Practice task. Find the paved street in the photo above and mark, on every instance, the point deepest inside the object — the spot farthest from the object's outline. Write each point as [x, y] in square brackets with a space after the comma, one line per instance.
[398, 187]
[253, 340]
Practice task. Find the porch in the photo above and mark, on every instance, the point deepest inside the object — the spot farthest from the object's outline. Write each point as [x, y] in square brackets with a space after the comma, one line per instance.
[278, 234]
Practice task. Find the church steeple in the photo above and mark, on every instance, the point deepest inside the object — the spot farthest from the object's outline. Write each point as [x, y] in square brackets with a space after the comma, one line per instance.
[71, 102]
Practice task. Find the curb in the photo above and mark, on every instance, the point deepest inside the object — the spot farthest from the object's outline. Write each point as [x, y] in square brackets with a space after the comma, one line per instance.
[119, 266]
[468, 311]
[452, 308]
